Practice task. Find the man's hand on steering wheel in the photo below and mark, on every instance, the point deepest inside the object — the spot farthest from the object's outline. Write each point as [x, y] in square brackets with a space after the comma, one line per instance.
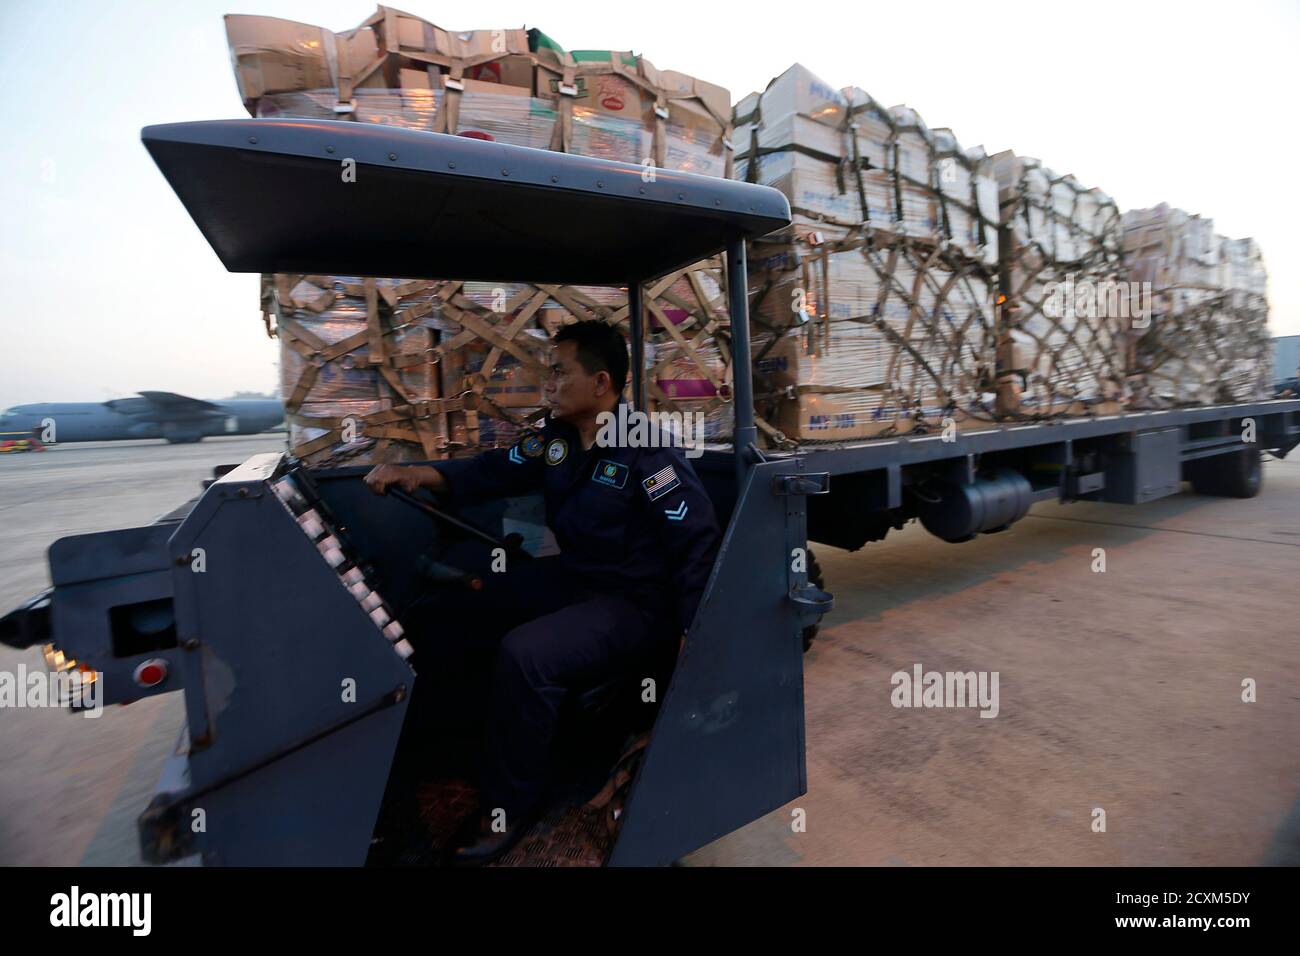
[410, 478]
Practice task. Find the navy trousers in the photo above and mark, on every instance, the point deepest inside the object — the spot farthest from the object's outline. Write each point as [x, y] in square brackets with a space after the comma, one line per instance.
[553, 634]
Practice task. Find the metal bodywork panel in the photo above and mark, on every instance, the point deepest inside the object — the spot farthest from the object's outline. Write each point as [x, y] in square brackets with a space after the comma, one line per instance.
[270, 196]
[294, 699]
[1279, 429]
[728, 745]
[1148, 466]
[98, 577]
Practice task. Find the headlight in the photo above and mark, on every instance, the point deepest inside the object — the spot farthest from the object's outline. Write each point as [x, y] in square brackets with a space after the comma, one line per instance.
[55, 659]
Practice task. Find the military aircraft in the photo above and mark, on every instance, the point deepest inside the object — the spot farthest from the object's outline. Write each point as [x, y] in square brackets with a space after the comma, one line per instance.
[177, 419]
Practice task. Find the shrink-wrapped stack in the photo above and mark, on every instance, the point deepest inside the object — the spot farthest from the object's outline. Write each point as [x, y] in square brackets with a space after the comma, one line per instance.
[1067, 311]
[1207, 341]
[874, 313]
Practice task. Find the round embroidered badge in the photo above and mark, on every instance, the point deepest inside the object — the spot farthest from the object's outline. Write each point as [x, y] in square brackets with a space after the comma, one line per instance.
[556, 451]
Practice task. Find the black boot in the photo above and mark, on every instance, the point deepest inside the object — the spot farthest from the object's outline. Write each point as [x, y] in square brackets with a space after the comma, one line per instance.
[477, 844]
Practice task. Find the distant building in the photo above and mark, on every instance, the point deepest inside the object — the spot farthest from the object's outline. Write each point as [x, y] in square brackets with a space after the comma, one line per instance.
[1286, 357]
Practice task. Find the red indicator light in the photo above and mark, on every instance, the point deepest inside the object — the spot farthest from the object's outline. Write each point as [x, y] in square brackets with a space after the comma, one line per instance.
[151, 673]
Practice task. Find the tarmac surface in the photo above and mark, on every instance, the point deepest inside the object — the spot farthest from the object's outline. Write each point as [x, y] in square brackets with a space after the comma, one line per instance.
[1118, 691]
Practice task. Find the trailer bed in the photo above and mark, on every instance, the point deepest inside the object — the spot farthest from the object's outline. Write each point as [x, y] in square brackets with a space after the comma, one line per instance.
[1283, 415]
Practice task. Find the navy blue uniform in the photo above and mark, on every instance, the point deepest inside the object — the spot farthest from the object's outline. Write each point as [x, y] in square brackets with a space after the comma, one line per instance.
[637, 537]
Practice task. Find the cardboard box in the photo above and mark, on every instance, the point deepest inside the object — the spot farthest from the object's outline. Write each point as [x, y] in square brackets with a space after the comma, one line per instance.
[706, 99]
[797, 90]
[415, 33]
[271, 55]
[495, 89]
[828, 418]
[357, 50]
[515, 70]
[503, 114]
[615, 95]
[682, 379]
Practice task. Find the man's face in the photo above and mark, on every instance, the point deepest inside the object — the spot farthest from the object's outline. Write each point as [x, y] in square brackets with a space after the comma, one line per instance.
[571, 391]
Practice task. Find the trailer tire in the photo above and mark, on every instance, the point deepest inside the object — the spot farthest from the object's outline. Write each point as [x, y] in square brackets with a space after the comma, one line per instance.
[1237, 475]
[816, 580]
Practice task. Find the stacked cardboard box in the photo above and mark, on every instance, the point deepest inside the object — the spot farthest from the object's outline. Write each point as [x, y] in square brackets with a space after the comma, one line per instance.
[873, 313]
[481, 345]
[365, 376]
[1207, 339]
[1060, 353]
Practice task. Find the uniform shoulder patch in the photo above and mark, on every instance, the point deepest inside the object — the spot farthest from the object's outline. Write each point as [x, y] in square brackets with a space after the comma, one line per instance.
[556, 450]
[661, 482]
[532, 445]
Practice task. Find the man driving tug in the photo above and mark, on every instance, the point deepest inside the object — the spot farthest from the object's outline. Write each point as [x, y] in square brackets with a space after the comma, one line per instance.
[637, 536]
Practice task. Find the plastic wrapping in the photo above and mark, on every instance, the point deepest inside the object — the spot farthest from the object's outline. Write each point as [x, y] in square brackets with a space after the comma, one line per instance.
[1207, 340]
[874, 313]
[896, 338]
[844, 160]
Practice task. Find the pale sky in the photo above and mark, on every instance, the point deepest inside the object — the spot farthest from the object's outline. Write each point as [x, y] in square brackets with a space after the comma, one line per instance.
[109, 288]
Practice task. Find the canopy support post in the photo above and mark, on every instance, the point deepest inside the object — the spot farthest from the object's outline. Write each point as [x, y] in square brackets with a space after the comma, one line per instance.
[745, 434]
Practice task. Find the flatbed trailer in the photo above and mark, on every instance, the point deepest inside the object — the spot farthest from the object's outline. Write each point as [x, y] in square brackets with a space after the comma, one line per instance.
[278, 584]
[1128, 458]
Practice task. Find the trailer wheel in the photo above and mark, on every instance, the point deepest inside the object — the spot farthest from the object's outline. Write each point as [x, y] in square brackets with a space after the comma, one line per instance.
[816, 580]
[1238, 475]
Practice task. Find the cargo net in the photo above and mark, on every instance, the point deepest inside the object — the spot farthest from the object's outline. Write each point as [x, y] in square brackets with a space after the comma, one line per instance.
[1212, 352]
[862, 339]
[1207, 341]
[872, 314]
[377, 370]
[1066, 314]
[363, 376]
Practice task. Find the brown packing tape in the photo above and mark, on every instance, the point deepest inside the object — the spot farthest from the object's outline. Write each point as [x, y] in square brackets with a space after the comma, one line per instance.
[677, 337]
[389, 375]
[320, 443]
[427, 437]
[376, 353]
[298, 334]
[452, 86]
[522, 319]
[563, 296]
[480, 328]
[300, 391]
[434, 70]
[588, 305]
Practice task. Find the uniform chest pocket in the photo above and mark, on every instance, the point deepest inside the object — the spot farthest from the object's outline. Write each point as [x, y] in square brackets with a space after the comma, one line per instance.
[599, 514]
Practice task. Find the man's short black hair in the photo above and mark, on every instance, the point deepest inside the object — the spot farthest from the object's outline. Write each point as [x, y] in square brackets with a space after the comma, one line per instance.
[601, 348]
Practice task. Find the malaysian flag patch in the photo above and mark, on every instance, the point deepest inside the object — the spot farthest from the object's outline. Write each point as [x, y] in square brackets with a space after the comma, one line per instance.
[661, 482]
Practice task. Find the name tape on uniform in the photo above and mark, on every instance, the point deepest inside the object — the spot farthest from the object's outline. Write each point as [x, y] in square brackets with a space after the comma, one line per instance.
[611, 473]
